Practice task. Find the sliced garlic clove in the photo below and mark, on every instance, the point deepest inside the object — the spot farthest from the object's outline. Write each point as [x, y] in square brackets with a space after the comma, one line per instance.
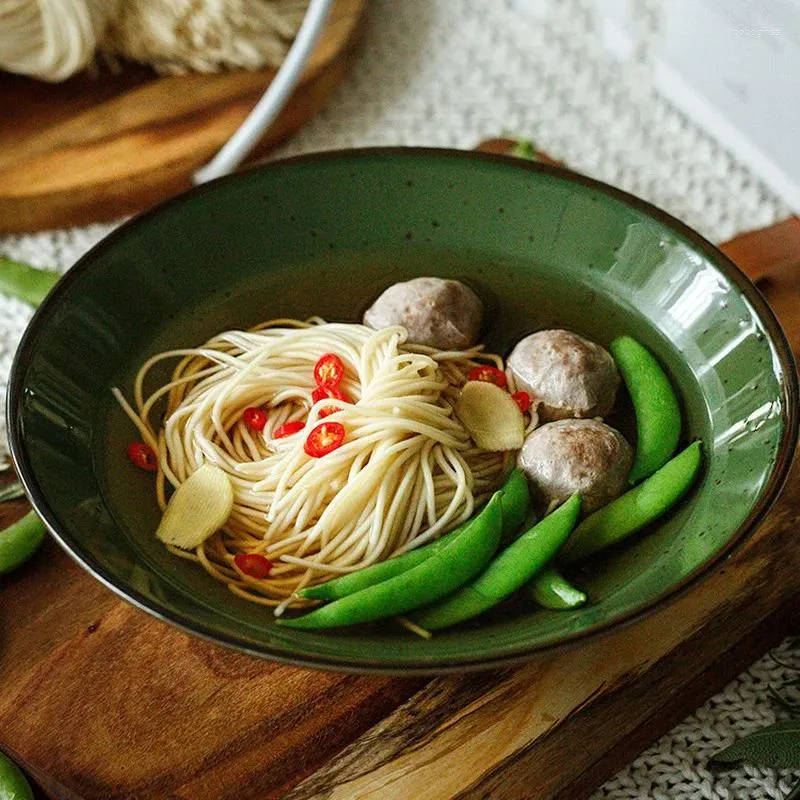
[491, 416]
[199, 507]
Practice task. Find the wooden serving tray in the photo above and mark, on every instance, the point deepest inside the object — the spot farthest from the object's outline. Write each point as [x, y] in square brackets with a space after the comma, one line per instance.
[98, 148]
[100, 701]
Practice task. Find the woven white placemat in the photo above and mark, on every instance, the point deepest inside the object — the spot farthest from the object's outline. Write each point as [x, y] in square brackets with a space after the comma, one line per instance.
[453, 72]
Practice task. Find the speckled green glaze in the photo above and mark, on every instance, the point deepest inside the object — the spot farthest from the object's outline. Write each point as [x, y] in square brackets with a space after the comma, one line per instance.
[323, 235]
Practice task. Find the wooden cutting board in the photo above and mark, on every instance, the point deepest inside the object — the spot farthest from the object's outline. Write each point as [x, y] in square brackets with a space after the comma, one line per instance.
[98, 148]
[101, 702]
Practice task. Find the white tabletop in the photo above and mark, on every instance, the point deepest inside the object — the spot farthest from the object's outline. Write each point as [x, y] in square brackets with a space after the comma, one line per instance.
[453, 72]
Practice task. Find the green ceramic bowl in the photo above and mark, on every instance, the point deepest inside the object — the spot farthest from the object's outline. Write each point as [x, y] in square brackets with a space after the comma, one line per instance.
[324, 235]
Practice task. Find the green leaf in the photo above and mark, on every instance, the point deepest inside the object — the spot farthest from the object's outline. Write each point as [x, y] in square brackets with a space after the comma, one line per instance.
[11, 492]
[524, 148]
[26, 282]
[777, 745]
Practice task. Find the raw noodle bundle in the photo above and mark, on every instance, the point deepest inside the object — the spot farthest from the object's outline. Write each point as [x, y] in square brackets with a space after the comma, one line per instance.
[54, 39]
[406, 473]
[50, 39]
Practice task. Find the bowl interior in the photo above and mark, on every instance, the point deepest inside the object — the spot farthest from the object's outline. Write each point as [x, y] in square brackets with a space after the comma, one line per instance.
[324, 235]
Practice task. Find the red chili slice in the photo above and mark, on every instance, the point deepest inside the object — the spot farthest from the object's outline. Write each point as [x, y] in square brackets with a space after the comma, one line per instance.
[324, 439]
[488, 374]
[253, 564]
[287, 429]
[143, 456]
[329, 371]
[523, 400]
[255, 418]
[326, 411]
[321, 393]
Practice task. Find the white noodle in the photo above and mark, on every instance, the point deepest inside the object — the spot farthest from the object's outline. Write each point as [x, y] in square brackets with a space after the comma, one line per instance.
[54, 39]
[406, 473]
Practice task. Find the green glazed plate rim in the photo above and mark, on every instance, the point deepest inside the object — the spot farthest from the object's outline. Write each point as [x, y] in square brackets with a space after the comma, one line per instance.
[767, 498]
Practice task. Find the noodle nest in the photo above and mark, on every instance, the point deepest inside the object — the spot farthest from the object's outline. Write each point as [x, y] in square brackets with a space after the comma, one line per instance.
[406, 472]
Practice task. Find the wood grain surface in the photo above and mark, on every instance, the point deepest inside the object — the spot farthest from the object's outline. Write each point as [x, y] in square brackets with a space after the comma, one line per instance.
[100, 701]
[98, 147]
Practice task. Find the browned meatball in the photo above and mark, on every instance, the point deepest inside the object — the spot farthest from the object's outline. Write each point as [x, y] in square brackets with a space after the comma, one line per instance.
[436, 312]
[569, 375]
[576, 455]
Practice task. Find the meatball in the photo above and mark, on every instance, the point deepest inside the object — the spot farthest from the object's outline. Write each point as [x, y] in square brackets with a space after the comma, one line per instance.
[568, 375]
[576, 455]
[436, 312]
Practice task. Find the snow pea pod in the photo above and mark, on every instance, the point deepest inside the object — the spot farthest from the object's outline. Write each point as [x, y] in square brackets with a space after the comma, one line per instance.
[636, 508]
[515, 507]
[516, 503]
[655, 404]
[13, 784]
[446, 570]
[552, 590]
[26, 282]
[382, 571]
[20, 540]
[513, 568]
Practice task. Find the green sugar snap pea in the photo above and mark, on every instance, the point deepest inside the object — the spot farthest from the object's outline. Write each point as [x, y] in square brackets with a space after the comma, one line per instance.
[382, 571]
[506, 573]
[13, 785]
[636, 508]
[552, 590]
[19, 541]
[25, 282]
[515, 507]
[516, 503]
[655, 404]
[446, 570]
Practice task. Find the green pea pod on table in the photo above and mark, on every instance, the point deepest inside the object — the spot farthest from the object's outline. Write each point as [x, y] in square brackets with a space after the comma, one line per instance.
[515, 507]
[20, 540]
[13, 785]
[26, 282]
[446, 570]
[636, 508]
[506, 573]
[655, 404]
[551, 589]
